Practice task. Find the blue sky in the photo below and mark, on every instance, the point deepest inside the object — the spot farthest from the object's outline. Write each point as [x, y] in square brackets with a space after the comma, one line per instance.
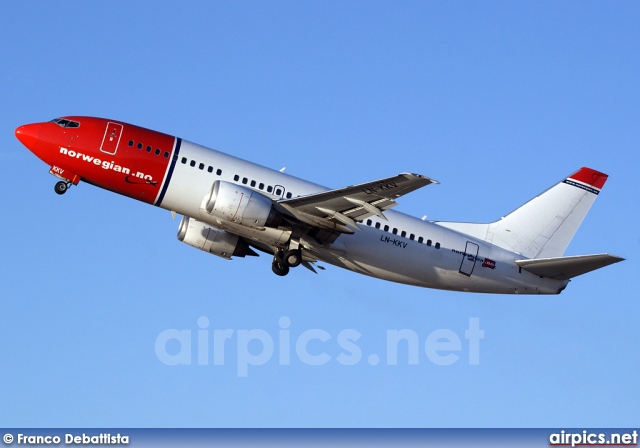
[496, 100]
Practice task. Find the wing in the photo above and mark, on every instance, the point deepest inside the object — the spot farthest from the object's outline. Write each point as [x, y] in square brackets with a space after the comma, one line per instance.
[340, 210]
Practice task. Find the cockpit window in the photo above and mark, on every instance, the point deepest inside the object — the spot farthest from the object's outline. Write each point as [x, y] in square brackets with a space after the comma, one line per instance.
[64, 123]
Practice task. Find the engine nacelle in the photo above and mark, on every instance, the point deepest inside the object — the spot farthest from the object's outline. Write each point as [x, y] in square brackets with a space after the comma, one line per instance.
[212, 240]
[238, 204]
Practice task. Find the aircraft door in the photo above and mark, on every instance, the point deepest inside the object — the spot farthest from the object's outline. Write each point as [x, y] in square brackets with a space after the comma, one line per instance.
[469, 259]
[111, 138]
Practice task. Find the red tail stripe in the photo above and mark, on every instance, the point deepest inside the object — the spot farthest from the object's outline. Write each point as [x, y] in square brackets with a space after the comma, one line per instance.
[590, 177]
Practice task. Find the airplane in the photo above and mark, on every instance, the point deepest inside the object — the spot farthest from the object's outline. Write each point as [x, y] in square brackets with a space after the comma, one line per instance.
[233, 208]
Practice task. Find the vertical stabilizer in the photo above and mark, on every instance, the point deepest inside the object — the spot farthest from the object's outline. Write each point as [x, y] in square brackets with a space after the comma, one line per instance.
[544, 226]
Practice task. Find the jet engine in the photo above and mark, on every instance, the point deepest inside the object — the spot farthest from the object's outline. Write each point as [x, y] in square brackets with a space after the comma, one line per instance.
[238, 204]
[212, 240]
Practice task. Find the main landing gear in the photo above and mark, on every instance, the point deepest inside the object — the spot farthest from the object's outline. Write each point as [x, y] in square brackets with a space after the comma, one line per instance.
[62, 187]
[284, 260]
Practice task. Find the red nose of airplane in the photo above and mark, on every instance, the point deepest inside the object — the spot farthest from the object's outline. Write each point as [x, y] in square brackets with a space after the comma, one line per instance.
[28, 134]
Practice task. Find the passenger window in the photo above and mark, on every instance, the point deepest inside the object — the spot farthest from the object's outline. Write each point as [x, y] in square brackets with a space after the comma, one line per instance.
[437, 245]
[148, 148]
[261, 186]
[184, 160]
[428, 242]
[219, 172]
[369, 222]
[157, 152]
[130, 142]
[210, 169]
[395, 231]
[289, 195]
[201, 166]
[140, 145]
[377, 225]
[236, 177]
[253, 183]
[166, 154]
[412, 237]
[386, 228]
[193, 163]
[278, 191]
[245, 180]
[269, 189]
[420, 240]
[403, 234]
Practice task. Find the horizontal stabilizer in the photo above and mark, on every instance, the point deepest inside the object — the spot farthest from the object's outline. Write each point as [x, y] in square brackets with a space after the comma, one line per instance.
[564, 268]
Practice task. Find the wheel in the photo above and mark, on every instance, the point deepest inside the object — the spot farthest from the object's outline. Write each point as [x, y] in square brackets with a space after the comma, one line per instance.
[61, 187]
[293, 257]
[279, 268]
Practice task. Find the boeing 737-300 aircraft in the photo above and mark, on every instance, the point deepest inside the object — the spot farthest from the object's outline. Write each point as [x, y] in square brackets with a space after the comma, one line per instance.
[231, 207]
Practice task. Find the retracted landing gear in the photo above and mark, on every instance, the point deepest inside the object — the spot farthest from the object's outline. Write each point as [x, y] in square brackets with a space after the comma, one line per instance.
[62, 187]
[283, 261]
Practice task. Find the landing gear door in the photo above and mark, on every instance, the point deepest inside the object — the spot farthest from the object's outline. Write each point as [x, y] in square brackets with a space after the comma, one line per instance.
[469, 259]
[111, 138]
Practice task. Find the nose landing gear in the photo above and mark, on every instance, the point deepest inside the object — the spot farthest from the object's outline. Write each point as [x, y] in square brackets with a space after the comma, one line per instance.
[67, 178]
[62, 187]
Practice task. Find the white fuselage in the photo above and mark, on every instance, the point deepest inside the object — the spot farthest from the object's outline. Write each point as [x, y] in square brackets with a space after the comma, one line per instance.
[410, 250]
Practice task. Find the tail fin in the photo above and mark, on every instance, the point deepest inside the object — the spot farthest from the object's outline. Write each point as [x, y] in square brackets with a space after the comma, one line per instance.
[544, 226]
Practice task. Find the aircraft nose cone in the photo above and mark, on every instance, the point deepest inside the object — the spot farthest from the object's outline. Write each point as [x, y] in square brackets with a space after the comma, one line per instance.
[28, 134]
